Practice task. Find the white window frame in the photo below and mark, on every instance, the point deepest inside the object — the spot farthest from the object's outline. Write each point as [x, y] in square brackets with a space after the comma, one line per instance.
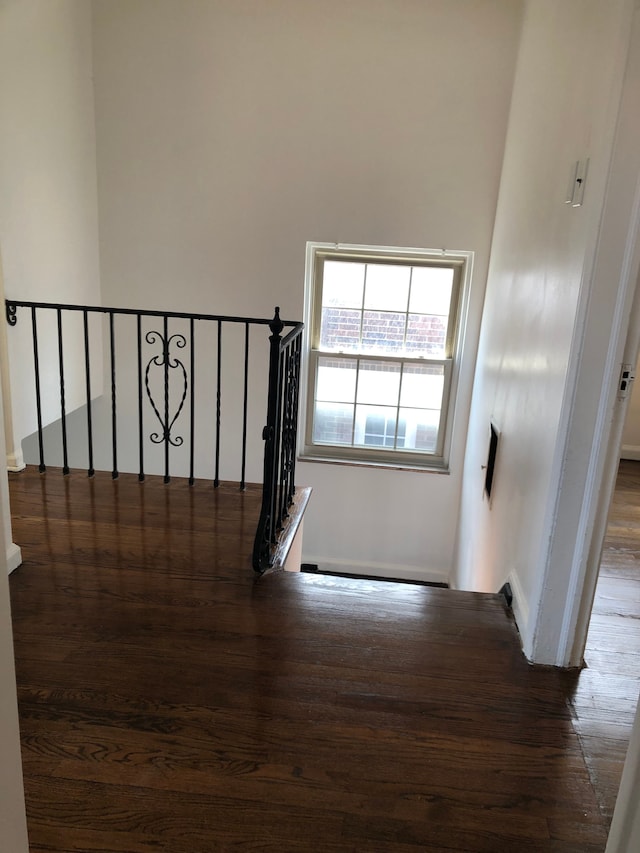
[316, 253]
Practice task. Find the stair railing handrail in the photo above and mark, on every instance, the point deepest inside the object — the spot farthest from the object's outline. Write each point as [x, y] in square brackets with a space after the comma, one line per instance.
[12, 304]
[279, 433]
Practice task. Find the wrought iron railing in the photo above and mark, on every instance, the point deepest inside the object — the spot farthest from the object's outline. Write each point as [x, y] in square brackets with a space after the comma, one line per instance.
[165, 387]
[280, 438]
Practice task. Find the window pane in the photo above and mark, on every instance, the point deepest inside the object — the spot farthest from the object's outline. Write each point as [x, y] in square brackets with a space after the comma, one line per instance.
[340, 329]
[332, 423]
[378, 383]
[387, 287]
[383, 331]
[431, 290]
[375, 426]
[426, 335]
[421, 431]
[336, 380]
[342, 284]
[422, 386]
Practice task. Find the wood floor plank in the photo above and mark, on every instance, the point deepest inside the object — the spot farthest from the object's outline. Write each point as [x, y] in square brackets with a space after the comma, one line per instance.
[169, 700]
[604, 697]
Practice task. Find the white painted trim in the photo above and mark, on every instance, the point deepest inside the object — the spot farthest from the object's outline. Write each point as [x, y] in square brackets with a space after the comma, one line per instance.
[294, 557]
[584, 571]
[389, 571]
[15, 461]
[14, 557]
[564, 581]
[624, 835]
[607, 433]
[519, 605]
[630, 451]
[13, 820]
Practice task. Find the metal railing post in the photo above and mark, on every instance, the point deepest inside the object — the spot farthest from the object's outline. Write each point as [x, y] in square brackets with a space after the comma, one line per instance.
[270, 434]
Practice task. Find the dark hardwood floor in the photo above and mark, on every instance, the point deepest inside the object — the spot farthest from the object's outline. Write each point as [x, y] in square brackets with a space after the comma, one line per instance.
[169, 701]
[606, 693]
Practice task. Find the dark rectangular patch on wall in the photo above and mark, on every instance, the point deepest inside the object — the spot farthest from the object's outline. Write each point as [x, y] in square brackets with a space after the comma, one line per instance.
[491, 461]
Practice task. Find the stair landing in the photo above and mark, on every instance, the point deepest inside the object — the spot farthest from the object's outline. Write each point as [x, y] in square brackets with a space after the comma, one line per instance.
[170, 700]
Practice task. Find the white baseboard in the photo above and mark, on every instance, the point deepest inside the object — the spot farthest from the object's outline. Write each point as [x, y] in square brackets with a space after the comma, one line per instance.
[15, 461]
[390, 571]
[14, 557]
[630, 451]
[519, 604]
[294, 557]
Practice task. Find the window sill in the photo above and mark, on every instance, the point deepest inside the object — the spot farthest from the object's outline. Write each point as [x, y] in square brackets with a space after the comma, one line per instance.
[369, 463]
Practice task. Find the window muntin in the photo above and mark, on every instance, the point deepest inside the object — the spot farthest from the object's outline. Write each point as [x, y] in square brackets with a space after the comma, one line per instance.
[382, 332]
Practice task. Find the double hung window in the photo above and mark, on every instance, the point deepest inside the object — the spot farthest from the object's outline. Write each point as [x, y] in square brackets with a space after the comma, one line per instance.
[383, 329]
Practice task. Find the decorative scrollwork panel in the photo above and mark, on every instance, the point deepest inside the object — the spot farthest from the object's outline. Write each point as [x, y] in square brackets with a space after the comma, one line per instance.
[166, 362]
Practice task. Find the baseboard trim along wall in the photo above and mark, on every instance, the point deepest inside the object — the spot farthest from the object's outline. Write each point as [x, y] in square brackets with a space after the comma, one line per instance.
[519, 604]
[630, 451]
[14, 557]
[15, 461]
[390, 571]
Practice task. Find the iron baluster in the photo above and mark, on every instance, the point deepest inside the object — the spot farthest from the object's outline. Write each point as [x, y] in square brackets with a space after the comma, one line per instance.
[165, 326]
[285, 466]
[216, 479]
[114, 421]
[192, 416]
[140, 407]
[275, 450]
[87, 370]
[243, 466]
[63, 409]
[280, 461]
[295, 405]
[36, 365]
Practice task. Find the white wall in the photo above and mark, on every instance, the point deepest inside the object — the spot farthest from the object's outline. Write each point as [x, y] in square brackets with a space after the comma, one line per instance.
[229, 134]
[48, 184]
[567, 88]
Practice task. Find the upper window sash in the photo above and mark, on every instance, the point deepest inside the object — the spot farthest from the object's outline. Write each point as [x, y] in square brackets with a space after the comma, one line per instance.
[417, 261]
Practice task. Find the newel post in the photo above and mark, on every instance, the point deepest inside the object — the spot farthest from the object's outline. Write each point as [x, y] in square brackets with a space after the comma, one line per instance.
[271, 434]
